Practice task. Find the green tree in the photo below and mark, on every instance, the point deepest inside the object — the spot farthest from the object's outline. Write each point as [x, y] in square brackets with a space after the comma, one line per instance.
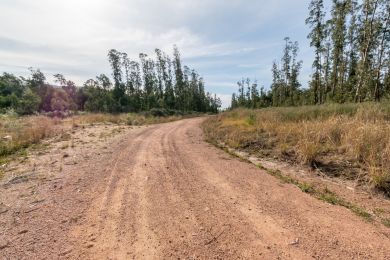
[317, 36]
[28, 103]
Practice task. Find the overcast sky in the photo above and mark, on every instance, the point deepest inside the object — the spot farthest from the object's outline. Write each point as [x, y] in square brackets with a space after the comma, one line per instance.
[224, 40]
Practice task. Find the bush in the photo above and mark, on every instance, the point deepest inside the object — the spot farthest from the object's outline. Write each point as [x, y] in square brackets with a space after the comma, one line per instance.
[29, 103]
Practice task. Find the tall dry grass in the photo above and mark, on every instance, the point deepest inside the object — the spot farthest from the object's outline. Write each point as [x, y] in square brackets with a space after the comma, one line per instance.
[349, 136]
[18, 133]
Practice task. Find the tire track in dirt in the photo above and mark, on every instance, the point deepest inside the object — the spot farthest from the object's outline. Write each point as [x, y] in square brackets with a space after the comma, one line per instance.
[114, 212]
[243, 220]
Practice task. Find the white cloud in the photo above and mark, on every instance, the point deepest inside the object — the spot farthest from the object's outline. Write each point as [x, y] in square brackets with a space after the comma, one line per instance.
[73, 36]
[225, 99]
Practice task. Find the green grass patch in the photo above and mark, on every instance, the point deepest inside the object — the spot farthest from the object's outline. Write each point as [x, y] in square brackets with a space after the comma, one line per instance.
[386, 222]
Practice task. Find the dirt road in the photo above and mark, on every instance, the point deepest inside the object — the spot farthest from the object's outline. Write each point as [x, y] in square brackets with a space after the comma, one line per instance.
[161, 192]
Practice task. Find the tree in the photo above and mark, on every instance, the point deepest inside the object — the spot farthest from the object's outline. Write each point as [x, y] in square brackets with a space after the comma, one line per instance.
[11, 90]
[28, 103]
[317, 36]
[383, 45]
[366, 37]
[285, 83]
[340, 10]
[352, 53]
[137, 86]
[179, 76]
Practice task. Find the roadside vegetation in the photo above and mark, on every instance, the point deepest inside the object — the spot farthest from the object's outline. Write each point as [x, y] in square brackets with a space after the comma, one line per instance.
[339, 123]
[18, 133]
[350, 141]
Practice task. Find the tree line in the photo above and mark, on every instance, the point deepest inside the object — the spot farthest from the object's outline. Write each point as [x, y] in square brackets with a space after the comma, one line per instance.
[159, 83]
[351, 44]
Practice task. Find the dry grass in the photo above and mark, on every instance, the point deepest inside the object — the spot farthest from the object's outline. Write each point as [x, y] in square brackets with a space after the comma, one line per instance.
[18, 133]
[128, 119]
[351, 141]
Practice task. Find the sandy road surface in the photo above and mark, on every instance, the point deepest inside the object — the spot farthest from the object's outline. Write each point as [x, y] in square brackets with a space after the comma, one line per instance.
[163, 193]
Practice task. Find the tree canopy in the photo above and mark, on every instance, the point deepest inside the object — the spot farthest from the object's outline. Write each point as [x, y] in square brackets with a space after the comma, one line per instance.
[136, 85]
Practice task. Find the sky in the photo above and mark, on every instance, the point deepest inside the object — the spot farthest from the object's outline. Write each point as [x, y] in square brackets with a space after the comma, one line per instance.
[224, 40]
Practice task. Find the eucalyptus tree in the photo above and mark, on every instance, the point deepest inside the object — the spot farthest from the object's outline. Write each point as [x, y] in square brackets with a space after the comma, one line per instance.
[340, 10]
[383, 45]
[352, 52]
[179, 76]
[317, 36]
[367, 31]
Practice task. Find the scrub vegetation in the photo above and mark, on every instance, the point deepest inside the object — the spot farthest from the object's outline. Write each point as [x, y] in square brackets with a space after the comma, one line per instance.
[348, 140]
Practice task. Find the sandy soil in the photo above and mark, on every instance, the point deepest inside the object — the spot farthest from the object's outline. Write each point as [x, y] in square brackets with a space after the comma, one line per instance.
[161, 192]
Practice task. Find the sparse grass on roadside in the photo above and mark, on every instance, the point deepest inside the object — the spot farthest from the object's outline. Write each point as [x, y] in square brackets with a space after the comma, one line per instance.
[19, 133]
[351, 141]
[323, 194]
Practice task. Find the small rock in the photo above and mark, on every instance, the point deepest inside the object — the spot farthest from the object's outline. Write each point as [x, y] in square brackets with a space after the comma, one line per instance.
[295, 242]
[65, 155]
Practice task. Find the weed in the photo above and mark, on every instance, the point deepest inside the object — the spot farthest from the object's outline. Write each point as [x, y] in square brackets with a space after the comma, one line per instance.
[386, 222]
[379, 211]
[306, 187]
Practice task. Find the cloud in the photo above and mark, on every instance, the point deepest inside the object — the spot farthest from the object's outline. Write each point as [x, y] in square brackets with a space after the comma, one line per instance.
[225, 99]
[223, 40]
